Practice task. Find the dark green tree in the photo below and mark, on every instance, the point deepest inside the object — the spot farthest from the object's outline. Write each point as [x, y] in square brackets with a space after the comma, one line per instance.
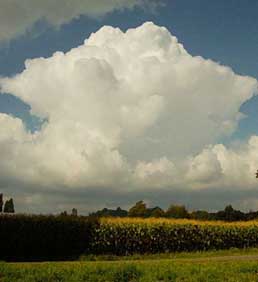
[64, 213]
[9, 206]
[177, 211]
[110, 213]
[230, 214]
[74, 212]
[200, 215]
[138, 210]
[156, 212]
[120, 212]
[1, 202]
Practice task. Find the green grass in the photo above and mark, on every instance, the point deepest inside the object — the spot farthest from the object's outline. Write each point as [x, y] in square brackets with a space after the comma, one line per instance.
[164, 270]
[179, 255]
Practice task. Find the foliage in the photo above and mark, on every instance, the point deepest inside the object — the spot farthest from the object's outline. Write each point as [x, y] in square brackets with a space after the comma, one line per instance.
[74, 212]
[200, 214]
[9, 206]
[67, 237]
[155, 212]
[131, 236]
[109, 212]
[229, 214]
[138, 210]
[177, 211]
[44, 237]
[1, 202]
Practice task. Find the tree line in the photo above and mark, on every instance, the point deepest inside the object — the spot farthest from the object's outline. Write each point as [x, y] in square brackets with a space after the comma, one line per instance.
[140, 209]
[7, 206]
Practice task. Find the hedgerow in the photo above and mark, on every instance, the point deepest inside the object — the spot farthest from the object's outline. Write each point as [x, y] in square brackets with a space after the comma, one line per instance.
[30, 238]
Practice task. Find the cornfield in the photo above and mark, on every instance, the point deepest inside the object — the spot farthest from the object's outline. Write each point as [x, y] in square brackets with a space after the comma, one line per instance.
[124, 236]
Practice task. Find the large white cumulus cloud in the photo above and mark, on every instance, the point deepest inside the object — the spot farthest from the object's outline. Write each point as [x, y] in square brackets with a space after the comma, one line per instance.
[18, 16]
[128, 110]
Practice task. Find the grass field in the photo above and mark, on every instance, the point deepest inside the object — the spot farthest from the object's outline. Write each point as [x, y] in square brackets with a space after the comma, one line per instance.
[149, 271]
[183, 268]
[234, 252]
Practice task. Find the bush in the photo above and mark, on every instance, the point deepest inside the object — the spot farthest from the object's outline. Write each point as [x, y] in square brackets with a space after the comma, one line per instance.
[34, 238]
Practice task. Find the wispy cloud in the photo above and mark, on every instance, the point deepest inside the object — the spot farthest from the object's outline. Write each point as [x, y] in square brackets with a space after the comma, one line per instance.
[18, 16]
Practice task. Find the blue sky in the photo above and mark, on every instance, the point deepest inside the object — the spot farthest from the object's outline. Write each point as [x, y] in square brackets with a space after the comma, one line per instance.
[222, 31]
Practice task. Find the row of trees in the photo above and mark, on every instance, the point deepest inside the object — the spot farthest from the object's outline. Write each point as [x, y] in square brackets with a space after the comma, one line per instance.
[140, 209]
[7, 206]
[74, 213]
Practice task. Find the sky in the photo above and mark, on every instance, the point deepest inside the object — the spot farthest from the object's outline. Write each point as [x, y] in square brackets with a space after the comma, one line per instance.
[104, 103]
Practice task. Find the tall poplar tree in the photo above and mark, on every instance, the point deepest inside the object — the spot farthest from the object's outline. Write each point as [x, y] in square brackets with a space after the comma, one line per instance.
[1, 202]
[9, 206]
